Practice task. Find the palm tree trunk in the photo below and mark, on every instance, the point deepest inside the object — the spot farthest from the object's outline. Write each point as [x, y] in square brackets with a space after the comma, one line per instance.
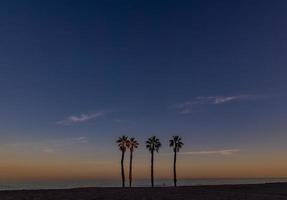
[131, 163]
[152, 184]
[174, 169]
[122, 168]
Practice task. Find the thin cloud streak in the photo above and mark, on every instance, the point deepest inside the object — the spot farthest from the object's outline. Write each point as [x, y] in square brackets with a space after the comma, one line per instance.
[120, 121]
[59, 142]
[219, 152]
[187, 107]
[224, 152]
[225, 99]
[49, 146]
[80, 119]
[49, 150]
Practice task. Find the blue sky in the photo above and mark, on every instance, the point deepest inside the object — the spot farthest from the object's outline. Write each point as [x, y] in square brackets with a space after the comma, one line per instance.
[87, 72]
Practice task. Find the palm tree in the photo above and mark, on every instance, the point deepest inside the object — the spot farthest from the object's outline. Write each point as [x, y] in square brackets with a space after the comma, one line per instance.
[152, 144]
[131, 144]
[122, 143]
[176, 144]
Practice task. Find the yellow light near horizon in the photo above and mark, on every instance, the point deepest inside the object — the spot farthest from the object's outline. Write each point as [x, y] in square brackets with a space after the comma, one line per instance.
[35, 171]
[43, 167]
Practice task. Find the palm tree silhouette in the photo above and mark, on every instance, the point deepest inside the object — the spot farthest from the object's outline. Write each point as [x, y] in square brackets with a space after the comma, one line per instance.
[176, 144]
[152, 144]
[131, 144]
[122, 143]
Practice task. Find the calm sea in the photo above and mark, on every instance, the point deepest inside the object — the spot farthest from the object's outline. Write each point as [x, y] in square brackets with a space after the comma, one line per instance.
[137, 183]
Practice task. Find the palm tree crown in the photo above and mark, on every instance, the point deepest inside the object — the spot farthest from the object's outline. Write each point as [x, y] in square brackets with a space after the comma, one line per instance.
[132, 144]
[176, 143]
[122, 143]
[153, 144]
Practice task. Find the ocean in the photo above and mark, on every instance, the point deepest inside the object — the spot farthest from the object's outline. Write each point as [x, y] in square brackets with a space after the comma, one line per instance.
[136, 183]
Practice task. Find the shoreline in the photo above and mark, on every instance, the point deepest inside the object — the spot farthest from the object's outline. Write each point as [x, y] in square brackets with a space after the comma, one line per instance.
[268, 191]
[139, 183]
[148, 187]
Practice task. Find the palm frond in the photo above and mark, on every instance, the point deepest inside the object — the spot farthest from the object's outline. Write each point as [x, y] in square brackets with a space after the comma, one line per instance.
[132, 143]
[122, 142]
[176, 143]
[153, 144]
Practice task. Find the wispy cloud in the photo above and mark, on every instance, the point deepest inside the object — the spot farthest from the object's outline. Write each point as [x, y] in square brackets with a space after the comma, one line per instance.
[121, 121]
[49, 146]
[48, 150]
[80, 118]
[69, 141]
[224, 152]
[77, 140]
[225, 99]
[187, 107]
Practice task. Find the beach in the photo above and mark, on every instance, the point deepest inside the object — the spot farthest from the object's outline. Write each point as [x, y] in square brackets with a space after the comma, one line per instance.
[271, 191]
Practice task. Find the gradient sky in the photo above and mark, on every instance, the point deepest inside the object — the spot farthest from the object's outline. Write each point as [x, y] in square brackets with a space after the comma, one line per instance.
[75, 75]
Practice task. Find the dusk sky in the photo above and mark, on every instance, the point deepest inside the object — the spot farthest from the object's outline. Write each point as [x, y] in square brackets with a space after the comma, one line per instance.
[76, 75]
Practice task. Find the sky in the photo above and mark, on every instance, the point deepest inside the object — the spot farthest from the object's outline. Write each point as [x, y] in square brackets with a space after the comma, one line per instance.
[76, 75]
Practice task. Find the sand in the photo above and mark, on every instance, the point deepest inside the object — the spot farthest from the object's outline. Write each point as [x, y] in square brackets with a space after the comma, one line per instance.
[274, 191]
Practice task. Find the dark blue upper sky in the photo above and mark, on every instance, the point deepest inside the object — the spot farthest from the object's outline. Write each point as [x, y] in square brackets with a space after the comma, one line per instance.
[212, 71]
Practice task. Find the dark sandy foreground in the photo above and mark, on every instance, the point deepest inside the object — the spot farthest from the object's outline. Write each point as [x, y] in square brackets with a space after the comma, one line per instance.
[272, 191]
